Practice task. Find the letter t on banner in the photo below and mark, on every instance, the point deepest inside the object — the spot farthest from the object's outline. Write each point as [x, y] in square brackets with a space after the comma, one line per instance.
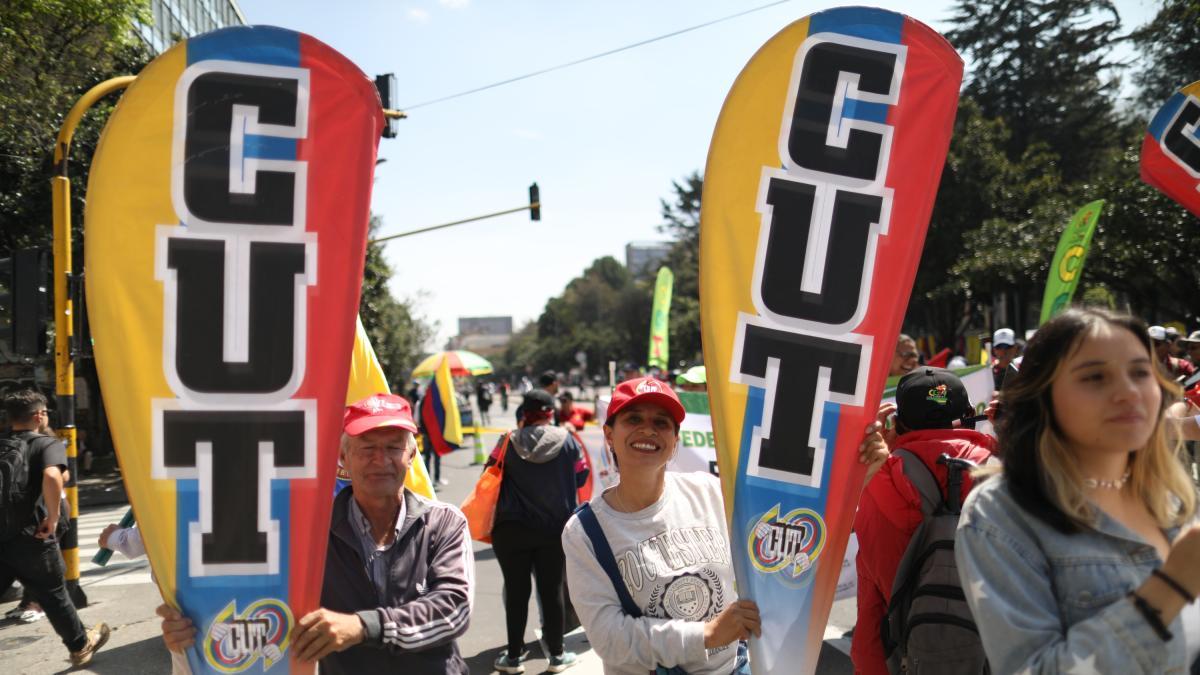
[820, 181]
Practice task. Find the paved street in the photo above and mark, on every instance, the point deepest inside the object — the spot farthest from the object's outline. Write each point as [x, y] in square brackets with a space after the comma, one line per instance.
[123, 595]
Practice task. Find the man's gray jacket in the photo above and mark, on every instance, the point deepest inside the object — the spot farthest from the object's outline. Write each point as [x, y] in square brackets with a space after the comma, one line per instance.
[427, 603]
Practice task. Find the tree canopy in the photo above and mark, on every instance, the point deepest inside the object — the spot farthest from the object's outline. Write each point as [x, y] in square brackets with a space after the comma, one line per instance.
[51, 53]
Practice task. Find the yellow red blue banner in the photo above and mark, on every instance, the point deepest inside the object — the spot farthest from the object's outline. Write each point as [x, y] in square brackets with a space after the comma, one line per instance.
[1171, 148]
[820, 181]
[226, 228]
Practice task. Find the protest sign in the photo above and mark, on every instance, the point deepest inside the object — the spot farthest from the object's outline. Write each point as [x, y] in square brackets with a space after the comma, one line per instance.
[1171, 148]
[226, 228]
[820, 180]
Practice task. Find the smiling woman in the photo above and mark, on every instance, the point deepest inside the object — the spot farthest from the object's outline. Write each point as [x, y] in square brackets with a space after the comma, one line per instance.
[1088, 535]
[648, 562]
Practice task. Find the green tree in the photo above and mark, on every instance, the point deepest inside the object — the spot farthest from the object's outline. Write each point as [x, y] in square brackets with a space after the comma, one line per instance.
[604, 313]
[1043, 66]
[51, 52]
[397, 332]
[981, 194]
[1171, 44]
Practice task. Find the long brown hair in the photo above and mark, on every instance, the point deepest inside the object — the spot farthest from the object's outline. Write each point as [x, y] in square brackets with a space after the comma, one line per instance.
[1039, 468]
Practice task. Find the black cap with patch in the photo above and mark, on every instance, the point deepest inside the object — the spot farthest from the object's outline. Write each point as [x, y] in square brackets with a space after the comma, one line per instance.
[931, 398]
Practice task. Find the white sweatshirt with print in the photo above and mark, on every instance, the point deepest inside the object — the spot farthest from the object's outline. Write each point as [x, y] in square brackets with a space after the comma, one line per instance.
[674, 559]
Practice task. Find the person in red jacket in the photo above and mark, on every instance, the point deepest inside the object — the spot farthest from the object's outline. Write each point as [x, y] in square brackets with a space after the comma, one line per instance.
[931, 404]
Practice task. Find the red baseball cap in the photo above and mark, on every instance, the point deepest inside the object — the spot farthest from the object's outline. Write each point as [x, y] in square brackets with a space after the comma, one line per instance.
[645, 390]
[378, 410]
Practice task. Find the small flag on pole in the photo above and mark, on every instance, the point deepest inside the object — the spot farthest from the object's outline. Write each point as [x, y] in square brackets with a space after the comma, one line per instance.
[439, 412]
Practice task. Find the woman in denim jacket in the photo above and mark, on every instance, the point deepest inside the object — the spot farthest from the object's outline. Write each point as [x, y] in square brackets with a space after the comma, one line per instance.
[1062, 556]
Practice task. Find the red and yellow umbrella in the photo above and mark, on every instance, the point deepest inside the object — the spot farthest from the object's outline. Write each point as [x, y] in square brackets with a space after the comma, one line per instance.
[462, 363]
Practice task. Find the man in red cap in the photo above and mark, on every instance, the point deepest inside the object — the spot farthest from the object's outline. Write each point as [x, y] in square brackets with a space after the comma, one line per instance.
[405, 613]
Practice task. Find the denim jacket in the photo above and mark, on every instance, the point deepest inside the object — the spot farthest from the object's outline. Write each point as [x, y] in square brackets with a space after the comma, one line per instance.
[1048, 602]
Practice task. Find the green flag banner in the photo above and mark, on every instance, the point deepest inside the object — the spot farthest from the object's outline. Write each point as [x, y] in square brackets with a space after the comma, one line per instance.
[659, 339]
[1068, 259]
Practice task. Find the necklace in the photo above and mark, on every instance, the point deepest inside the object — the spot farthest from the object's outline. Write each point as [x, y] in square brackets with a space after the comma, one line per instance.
[1117, 484]
[620, 503]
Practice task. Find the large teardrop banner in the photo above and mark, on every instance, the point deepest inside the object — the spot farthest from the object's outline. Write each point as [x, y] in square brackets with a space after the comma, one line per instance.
[820, 181]
[1171, 148]
[226, 228]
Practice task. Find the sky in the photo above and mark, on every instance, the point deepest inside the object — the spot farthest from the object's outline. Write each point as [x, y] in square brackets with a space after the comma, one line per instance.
[604, 140]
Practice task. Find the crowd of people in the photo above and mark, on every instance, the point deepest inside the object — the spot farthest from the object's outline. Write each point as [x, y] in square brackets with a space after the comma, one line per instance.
[1064, 542]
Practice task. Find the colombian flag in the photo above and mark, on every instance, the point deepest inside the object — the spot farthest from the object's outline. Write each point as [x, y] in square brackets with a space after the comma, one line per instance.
[439, 412]
[367, 378]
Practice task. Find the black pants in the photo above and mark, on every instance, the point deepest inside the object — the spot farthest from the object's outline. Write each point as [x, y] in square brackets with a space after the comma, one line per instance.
[39, 565]
[520, 551]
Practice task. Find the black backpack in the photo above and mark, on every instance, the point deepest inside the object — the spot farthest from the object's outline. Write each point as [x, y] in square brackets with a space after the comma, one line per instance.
[16, 505]
[928, 627]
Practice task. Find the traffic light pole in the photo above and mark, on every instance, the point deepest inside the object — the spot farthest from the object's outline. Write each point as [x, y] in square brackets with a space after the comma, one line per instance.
[64, 367]
[534, 208]
[431, 228]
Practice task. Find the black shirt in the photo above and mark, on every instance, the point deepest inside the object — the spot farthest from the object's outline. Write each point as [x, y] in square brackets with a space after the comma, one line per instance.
[44, 451]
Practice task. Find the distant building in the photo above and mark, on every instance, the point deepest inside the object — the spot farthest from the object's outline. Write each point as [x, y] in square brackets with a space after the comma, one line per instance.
[176, 19]
[483, 334]
[643, 258]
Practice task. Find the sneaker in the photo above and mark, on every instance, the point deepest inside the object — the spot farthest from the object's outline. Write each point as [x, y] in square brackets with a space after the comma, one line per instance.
[97, 635]
[443, 482]
[504, 664]
[562, 662]
[26, 613]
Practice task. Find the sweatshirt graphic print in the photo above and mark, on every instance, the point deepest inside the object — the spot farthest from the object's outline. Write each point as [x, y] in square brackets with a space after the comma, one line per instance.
[674, 558]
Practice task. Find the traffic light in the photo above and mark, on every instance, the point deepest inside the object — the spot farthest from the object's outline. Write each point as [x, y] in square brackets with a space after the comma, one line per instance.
[386, 85]
[29, 300]
[535, 203]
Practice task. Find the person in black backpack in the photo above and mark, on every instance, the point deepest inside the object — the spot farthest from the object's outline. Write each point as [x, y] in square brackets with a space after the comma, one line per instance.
[892, 513]
[31, 472]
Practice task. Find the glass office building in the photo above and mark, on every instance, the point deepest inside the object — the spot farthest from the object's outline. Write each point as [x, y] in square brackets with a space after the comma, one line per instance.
[178, 19]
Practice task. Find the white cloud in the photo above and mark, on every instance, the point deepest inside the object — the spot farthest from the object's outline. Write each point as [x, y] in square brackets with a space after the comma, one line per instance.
[454, 4]
[419, 15]
[527, 134]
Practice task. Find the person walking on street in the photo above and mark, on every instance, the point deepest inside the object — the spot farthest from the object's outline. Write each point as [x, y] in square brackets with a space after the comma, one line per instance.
[543, 468]
[483, 396]
[34, 466]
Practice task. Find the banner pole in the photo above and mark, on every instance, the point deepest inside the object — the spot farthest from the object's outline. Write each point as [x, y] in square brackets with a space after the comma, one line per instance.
[64, 367]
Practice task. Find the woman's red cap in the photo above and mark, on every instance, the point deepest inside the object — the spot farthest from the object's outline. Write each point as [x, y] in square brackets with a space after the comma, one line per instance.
[646, 390]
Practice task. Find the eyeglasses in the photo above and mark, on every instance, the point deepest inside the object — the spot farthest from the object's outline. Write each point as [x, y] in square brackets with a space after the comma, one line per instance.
[908, 355]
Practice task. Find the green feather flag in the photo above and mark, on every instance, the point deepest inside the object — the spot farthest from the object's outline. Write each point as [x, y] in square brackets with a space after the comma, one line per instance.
[1068, 259]
[659, 320]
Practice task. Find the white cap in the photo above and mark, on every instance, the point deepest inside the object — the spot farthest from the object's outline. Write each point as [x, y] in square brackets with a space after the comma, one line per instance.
[1004, 336]
[1157, 333]
[1194, 337]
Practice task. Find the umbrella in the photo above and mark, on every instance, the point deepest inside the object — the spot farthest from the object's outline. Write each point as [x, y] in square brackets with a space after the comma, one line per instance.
[462, 363]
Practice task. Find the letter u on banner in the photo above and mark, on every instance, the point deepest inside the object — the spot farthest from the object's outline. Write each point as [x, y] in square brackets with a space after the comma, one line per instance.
[820, 180]
[226, 229]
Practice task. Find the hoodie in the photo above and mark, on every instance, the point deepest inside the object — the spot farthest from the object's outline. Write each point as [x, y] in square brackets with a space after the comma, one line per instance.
[889, 512]
[542, 471]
